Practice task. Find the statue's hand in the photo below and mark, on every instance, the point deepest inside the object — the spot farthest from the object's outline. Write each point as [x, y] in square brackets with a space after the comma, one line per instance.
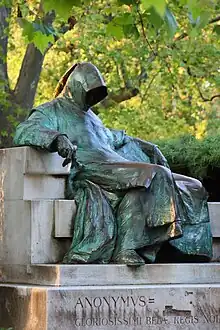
[66, 149]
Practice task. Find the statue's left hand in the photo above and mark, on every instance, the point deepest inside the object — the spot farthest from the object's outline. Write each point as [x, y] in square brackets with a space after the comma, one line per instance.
[65, 149]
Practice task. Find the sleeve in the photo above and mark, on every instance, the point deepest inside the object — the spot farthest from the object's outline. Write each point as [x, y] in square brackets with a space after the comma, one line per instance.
[118, 138]
[39, 130]
[152, 151]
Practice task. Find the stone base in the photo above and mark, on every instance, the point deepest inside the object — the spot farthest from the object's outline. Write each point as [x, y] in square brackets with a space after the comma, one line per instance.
[83, 275]
[138, 307]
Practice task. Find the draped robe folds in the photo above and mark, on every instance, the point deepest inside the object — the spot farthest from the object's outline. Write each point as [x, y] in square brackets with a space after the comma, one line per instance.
[126, 198]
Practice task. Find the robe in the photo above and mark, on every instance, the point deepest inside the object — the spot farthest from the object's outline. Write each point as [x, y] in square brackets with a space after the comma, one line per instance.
[127, 197]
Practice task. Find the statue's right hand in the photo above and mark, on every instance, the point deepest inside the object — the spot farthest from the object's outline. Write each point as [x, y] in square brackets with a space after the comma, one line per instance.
[65, 149]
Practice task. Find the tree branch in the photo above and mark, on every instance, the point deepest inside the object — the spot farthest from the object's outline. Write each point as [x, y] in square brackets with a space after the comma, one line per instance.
[205, 99]
[143, 31]
[214, 20]
[149, 86]
[124, 73]
[123, 94]
[184, 34]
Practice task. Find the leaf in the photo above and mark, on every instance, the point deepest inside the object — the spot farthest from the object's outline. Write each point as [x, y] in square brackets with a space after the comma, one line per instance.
[124, 19]
[200, 21]
[203, 19]
[62, 7]
[41, 41]
[4, 133]
[217, 81]
[131, 30]
[193, 33]
[8, 4]
[159, 5]
[154, 18]
[216, 29]
[28, 28]
[125, 2]
[115, 30]
[45, 29]
[170, 22]
[194, 9]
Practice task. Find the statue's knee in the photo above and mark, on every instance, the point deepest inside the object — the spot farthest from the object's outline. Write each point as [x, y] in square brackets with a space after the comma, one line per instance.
[195, 183]
[192, 182]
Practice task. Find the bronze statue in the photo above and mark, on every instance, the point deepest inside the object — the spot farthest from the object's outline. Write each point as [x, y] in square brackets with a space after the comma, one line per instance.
[131, 209]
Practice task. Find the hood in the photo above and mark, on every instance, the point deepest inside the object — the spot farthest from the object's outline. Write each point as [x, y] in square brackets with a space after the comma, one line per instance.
[85, 86]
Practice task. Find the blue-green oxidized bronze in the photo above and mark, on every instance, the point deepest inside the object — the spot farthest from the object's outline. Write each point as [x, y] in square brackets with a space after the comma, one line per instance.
[131, 208]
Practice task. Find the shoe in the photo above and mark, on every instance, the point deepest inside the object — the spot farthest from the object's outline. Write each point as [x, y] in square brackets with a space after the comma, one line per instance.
[129, 258]
[75, 259]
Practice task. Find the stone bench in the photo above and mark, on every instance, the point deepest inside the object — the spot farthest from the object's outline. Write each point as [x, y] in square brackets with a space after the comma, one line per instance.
[38, 293]
[34, 215]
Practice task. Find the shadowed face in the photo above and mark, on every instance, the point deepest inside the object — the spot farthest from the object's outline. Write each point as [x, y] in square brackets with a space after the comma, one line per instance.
[96, 95]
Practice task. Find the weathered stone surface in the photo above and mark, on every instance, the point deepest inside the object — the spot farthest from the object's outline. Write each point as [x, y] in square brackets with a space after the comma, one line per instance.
[23, 308]
[43, 187]
[216, 249]
[82, 275]
[65, 211]
[214, 212]
[15, 242]
[136, 307]
[44, 247]
[29, 174]
[11, 173]
[45, 163]
[27, 233]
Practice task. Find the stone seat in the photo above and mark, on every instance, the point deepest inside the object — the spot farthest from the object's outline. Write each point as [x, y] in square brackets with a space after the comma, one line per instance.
[35, 219]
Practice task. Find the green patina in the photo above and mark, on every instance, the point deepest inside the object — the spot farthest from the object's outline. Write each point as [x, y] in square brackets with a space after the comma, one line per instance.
[129, 203]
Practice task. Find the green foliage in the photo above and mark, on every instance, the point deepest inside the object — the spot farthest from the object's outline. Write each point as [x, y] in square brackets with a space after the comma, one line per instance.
[159, 5]
[169, 54]
[62, 7]
[191, 154]
[142, 121]
[126, 20]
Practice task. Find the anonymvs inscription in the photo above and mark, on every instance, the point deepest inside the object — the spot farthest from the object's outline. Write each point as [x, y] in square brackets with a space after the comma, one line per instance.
[130, 311]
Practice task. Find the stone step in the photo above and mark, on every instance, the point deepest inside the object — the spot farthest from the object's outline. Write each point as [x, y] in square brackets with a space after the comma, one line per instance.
[82, 275]
[133, 307]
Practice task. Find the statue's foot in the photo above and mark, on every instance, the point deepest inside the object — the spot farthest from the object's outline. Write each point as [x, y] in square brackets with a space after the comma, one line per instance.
[129, 258]
[75, 259]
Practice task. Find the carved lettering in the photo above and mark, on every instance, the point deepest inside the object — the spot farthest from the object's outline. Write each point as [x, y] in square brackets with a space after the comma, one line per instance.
[134, 311]
[114, 302]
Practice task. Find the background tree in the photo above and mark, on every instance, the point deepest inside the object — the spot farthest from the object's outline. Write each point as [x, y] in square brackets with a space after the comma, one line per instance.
[160, 60]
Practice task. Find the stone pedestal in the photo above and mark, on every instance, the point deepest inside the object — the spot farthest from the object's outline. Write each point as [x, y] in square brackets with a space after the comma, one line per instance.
[37, 293]
[139, 307]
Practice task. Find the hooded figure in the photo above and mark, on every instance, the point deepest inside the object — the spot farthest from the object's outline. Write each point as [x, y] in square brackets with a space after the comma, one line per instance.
[131, 208]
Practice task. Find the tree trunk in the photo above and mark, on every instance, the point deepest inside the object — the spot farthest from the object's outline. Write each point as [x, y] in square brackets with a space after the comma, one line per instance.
[30, 71]
[4, 17]
[4, 82]
[29, 77]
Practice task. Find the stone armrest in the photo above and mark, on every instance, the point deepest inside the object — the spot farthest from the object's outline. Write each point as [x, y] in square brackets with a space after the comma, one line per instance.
[28, 174]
